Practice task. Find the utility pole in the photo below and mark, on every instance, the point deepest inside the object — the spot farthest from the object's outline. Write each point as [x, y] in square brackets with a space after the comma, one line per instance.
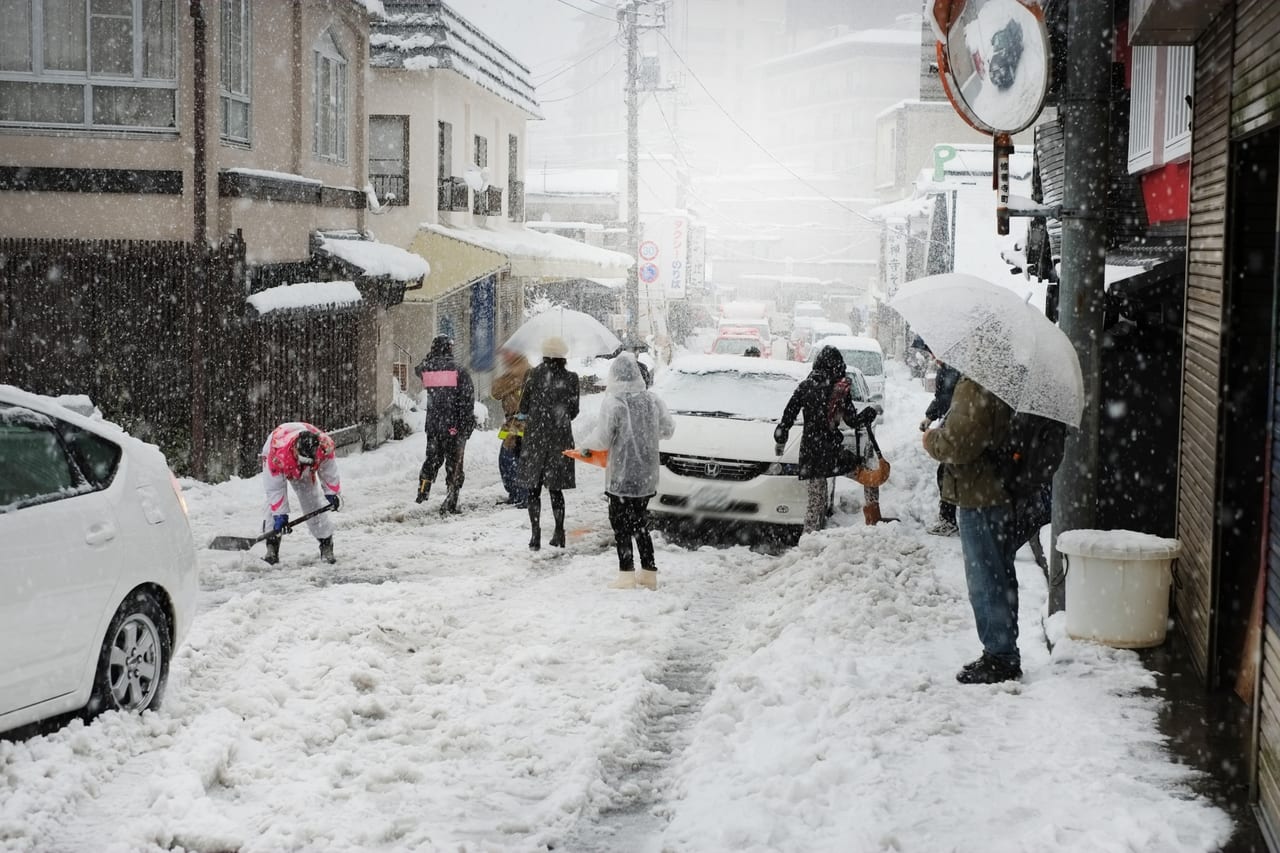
[1085, 113]
[631, 25]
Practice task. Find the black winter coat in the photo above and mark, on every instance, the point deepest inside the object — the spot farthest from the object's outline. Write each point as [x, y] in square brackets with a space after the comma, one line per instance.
[450, 396]
[821, 453]
[550, 399]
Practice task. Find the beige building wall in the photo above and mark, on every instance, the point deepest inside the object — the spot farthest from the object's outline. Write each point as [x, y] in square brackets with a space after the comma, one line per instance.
[428, 98]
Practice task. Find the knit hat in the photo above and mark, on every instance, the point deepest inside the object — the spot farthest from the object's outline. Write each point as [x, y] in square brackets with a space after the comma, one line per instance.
[555, 348]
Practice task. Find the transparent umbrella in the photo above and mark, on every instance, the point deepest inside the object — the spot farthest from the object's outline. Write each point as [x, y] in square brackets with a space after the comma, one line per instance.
[996, 338]
[584, 335]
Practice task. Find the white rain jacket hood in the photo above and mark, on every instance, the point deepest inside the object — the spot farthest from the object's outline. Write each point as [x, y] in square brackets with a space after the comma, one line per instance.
[632, 422]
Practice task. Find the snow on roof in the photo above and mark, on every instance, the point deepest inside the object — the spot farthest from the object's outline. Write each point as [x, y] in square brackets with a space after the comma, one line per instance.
[377, 259]
[421, 35]
[853, 44]
[279, 176]
[899, 211]
[529, 244]
[310, 294]
[782, 279]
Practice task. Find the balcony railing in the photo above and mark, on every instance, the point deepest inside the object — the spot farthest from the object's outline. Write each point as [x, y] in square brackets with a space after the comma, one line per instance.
[452, 194]
[488, 202]
[390, 189]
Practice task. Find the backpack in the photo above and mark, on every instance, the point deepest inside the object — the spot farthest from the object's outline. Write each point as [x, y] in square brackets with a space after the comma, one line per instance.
[1030, 454]
[1025, 463]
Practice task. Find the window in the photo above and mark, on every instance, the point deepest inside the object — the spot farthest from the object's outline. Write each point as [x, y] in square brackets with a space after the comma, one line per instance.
[329, 136]
[444, 160]
[89, 63]
[34, 468]
[234, 83]
[482, 152]
[96, 458]
[389, 158]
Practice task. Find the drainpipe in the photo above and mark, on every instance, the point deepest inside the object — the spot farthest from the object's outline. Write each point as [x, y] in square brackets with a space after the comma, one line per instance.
[1085, 112]
[200, 254]
[199, 165]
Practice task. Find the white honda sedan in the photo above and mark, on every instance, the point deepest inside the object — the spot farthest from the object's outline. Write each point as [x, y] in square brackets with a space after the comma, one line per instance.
[720, 464]
[98, 575]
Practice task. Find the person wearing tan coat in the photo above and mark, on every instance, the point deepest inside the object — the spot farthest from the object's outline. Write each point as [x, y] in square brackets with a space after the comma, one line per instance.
[975, 425]
[507, 388]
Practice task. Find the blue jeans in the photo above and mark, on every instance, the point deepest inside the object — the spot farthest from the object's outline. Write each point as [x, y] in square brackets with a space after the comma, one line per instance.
[993, 584]
[508, 464]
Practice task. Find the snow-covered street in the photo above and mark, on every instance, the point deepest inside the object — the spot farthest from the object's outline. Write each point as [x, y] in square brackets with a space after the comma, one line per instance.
[442, 688]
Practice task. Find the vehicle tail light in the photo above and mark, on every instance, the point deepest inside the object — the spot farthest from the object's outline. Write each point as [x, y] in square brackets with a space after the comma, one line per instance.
[177, 490]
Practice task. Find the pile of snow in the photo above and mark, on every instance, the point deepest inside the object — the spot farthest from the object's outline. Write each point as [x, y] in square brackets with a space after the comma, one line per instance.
[378, 259]
[309, 294]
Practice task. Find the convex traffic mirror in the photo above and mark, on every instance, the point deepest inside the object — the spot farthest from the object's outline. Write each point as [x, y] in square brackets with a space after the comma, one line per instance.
[993, 56]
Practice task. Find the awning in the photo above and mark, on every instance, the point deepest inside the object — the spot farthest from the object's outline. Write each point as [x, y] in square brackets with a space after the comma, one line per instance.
[460, 256]
[455, 263]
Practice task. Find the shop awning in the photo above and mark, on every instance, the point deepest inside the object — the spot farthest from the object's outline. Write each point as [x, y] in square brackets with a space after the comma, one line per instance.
[460, 256]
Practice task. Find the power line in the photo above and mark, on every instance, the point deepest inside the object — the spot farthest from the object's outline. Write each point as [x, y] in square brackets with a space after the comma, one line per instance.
[584, 11]
[592, 85]
[610, 41]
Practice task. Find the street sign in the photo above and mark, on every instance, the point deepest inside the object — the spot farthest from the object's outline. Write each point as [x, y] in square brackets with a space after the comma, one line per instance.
[649, 273]
[648, 250]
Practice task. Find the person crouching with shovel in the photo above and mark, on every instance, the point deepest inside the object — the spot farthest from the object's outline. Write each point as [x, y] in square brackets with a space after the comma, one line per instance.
[302, 456]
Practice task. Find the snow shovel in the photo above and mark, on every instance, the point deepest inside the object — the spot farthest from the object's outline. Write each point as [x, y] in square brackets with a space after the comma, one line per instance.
[244, 543]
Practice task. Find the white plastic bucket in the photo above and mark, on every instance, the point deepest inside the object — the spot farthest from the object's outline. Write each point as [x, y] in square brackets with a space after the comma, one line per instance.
[1118, 586]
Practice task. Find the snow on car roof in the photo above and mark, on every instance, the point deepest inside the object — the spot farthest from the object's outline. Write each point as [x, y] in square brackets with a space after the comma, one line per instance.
[57, 407]
[739, 364]
[848, 342]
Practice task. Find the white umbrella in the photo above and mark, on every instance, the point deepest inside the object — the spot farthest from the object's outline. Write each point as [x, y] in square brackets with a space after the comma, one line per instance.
[584, 335]
[994, 337]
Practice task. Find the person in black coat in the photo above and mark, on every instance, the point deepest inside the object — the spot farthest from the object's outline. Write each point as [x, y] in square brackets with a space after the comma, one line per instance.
[548, 406]
[450, 420]
[823, 396]
[944, 387]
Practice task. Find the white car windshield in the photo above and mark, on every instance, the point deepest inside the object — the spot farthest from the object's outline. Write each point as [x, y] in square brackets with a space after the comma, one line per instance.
[736, 346]
[727, 393]
[868, 362]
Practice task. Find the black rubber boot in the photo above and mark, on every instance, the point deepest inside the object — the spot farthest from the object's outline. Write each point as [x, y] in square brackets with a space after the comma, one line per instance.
[326, 550]
[273, 550]
[450, 505]
[557, 512]
[424, 488]
[535, 518]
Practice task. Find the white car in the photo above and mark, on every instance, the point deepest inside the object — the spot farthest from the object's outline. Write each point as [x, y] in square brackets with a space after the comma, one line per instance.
[861, 352]
[98, 569]
[720, 464]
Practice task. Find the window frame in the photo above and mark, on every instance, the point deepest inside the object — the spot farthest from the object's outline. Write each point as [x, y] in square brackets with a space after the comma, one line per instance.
[227, 94]
[97, 87]
[81, 483]
[403, 174]
[331, 114]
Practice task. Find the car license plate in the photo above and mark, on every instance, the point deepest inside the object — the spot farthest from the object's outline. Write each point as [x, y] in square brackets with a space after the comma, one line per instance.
[712, 498]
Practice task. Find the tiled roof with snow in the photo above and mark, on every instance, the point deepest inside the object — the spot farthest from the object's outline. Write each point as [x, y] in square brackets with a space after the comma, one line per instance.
[421, 35]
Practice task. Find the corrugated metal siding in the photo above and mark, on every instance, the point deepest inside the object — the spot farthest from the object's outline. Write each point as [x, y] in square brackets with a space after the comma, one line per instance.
[1198, 453]
[1255, 99]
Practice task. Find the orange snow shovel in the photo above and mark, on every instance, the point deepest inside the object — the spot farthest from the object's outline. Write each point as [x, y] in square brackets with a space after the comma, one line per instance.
[599, 458]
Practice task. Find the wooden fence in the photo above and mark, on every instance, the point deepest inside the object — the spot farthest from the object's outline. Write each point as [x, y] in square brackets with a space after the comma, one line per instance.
[159, 336]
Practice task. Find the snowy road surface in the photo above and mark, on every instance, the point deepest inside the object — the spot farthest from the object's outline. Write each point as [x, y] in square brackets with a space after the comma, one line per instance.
[441, 688]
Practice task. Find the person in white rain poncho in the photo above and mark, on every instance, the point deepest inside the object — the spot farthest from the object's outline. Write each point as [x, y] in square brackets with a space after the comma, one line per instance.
[632, 422]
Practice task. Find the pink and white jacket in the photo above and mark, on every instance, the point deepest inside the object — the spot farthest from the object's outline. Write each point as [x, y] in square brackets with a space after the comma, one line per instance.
[280, 465]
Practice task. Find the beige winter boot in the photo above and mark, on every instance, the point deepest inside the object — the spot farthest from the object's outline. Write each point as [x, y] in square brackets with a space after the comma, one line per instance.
[625, 580]
[648, 578]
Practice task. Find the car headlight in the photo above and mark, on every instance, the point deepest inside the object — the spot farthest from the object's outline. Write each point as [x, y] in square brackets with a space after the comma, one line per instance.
[783, 469]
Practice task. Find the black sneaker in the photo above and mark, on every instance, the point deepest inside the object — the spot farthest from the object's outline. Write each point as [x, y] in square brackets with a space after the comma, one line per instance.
[326, 550]
[988, 670]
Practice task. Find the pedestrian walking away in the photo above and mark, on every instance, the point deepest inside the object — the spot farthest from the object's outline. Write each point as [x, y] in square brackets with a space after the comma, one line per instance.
[824, 399]
[944, 387]
[300, 456]
[450, 421]
[978, 422]
[507, 388]
[632, 422]
[548, 405]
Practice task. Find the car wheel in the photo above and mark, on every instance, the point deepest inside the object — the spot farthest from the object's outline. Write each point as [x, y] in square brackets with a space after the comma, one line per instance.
[134, 663]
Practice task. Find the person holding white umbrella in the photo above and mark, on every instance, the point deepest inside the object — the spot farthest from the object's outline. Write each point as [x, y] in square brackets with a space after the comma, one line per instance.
[548, 406]
[1013, 359]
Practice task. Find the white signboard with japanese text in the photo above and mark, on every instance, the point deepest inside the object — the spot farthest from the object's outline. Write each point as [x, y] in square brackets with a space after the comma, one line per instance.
[663, 264]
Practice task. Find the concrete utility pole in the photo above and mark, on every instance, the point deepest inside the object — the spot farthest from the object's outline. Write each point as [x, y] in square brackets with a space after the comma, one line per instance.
[629, 21]
[1085, 110]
